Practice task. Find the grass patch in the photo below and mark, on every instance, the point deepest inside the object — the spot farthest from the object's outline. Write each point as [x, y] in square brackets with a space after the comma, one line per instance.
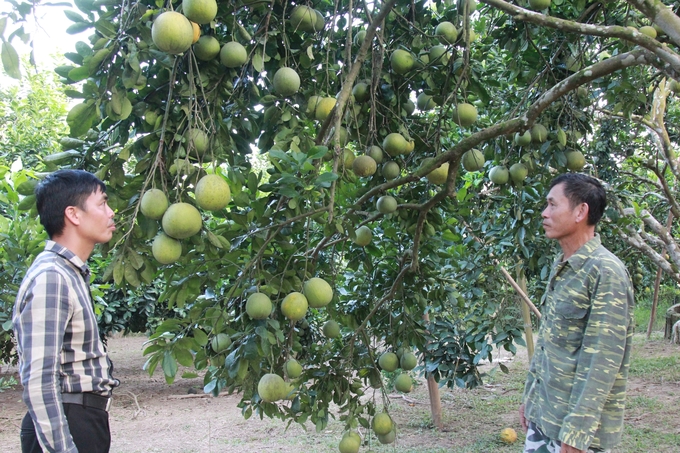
[655, 368]
[636, 440]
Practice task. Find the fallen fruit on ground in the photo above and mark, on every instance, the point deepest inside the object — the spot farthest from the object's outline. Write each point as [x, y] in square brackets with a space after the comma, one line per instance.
[271, 388]
[181, 220]
[386, 204]
[153, 204]
[331, 329]
[318, 292]
[165, 249]
[294, 306]
[220, 342]
[172, 32]
[403, 383]
[258, 306]
[508, 435]
[382, 423]
[212, 193]
[388, 361]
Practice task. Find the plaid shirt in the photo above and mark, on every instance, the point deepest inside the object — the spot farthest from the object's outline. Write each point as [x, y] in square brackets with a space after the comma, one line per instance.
[576, 386]
[58, 342]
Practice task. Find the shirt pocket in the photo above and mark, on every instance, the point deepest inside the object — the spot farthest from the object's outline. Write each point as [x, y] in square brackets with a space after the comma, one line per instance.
[569, 324]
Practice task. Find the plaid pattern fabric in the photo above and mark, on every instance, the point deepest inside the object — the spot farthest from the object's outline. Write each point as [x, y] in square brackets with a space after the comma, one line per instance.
[58, 342]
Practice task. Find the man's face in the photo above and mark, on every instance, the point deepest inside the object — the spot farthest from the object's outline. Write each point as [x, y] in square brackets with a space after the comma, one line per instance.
[559, 217]
[96, 219]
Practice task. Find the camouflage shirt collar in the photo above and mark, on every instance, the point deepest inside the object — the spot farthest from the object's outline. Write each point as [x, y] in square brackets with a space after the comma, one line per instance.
[577, 260]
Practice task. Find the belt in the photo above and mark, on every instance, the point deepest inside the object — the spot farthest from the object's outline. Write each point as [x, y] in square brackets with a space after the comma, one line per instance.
[88, 400]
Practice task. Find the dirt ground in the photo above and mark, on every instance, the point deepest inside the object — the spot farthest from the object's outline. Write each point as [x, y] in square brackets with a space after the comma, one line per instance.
[147, 415]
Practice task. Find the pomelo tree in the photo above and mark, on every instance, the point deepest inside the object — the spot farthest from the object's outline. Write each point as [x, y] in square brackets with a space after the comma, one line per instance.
[576, 76]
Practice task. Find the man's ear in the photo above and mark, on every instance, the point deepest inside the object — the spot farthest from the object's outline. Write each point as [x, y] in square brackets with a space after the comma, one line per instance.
[582, 213]
[71, 215]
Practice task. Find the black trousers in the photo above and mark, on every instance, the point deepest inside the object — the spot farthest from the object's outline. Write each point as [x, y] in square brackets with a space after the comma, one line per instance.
[89, 428]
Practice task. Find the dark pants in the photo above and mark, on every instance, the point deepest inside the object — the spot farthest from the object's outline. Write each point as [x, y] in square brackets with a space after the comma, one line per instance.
[89, 428]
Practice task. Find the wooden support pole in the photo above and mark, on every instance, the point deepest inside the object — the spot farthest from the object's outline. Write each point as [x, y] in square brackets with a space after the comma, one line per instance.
[433, 391]
[657, 284]
[526, 314]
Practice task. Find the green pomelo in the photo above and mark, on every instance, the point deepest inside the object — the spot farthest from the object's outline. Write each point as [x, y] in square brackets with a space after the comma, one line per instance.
[425, 102]
[391, 170]
[438, 55]
[207, 48]
[539, 133]
[200, 11]
[376, 153]
[382, 423]
[350, 443]
[153, 204]
[181, 220]
[331, 329]
[465, 114]
[320, 22]
[165, 249]
[438, 175]
[294, 306]
[348, 157]
[402, 61]
[575, 160]
[446, 32]
[388, 361]
[523, 139]
[408, 361]
[318, 292]
[286, 82]
[212, 193]
[323, 108]
[499, 175]
[258, 306]
[539, 5]
[387, 438]
[361, 92]
[293, 368]
[409, 107]
[395, 144]
[649, 31]
[403, 383]
[386, 204]
[197, 141]
[271, 388]
[220, 342]
[303, 18]
[359, 38]
[364, 235]
[364, 166]
[518, 172]
[473, 160]
[172, 33]
[233, 55]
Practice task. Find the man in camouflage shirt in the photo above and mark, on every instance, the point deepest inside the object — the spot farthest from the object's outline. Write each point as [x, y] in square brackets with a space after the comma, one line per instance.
[575, 391]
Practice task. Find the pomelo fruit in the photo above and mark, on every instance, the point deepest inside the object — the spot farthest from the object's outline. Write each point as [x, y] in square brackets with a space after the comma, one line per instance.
[363, 236]
[446, 32]
[318, 292]
[331, 329]
[320, 22]
[575, 160]
[181, 220]
[303, 18]
[402, 61]
[499, 175]
[220, 342]
[508, 436]
[294, 306]
[649, 31]
[212, 193]
[153, 204]
[439, 174]
[293, 368]
[403, 383]
[518, 172]
[271, 388]
[364, 166]
[387, 438]
[539, 5]
[197, 32]
[523, 139]
[395, 144]
[359, 38]
[386, 204]
[196, 141]
[388, 361]
[438, 55]
[286, 81]
[473, 160]
[408, 361]
[312, 102]
[350, 443]
[233, 55]
[172, 32]
[465, 114]
[376, 153]
[258, 306]
[361, 92]
[200, 11]
[382, 423]
[539, 133]
[165, 249]
[391, 170]
[409, 107]
[207, 48]
[425, 102]
[323, 108]
[348, 157]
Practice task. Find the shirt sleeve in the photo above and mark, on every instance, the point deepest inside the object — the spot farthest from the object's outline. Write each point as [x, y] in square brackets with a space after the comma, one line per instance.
[599, 360]
[41, 325]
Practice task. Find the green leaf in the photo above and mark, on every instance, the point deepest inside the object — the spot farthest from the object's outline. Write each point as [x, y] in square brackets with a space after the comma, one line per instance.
[3, 25]
[169, 366]
[78, 28]
[73, 16]
[10, 60]
[183, 356]
[79, 73]
[201, 337]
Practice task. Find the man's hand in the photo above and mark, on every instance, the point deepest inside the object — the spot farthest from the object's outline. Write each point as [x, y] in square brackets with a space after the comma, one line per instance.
[569, 449]
[522, 418]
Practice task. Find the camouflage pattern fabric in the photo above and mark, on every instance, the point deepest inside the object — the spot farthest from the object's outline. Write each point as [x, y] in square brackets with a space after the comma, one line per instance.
[576, 387]
[537, 442]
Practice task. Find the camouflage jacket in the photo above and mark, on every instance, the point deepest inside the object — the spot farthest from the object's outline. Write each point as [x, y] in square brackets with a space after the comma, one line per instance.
[576, 386]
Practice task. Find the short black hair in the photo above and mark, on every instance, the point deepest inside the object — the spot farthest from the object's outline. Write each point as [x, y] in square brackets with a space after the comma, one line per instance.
[62, 189]
[580, 188]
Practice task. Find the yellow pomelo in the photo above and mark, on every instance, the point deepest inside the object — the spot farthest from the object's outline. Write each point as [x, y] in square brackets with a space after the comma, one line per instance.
[518, 172]
[439, 174]
[181, 220]
[391, 170]
[196, 141]
[331, 329]
[207, 48]
[363, 236]
[303, 18]
[212, 193]
[499, 175]
[382, 423]
[425, 102]
[364, 166]
[465, 114]
[403, 383]
[293, 368]
[575, 160]
[446, 32]
[323, 108]
[376, 153]
[294, 306]
[539, 133]
[153, 204]
[649, 31]
[408, 361]
[220, 342]
[395, 144]
[508, 435]
[271, 388]
[361, 92]
[165, 249]
[312, 102]
[286, 81]
[172, 32]
[258, 306]
[318, 292]
[200, 11]
[386, 204]
[539, 5]
[523, 139]
[388, 361]
[348, 157]
[402, 61]
[233, 55]
[197, 32]
[350, 443]
[473, 160]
